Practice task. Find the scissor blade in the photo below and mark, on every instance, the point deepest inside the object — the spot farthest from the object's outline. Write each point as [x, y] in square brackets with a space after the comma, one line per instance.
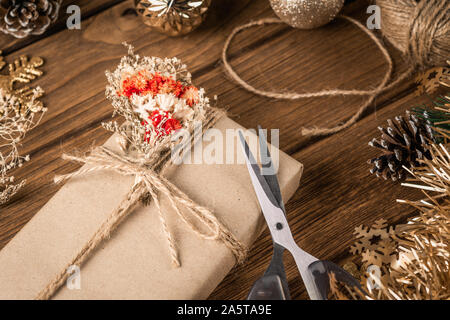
[273, 214]
[268, 170]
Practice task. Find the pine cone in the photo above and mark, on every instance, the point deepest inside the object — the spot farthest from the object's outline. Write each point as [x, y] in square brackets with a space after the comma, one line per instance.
[21, 18]
[404, 142]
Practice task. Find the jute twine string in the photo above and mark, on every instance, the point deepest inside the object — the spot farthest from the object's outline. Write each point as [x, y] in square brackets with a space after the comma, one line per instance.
[148, 182]
[420, 48]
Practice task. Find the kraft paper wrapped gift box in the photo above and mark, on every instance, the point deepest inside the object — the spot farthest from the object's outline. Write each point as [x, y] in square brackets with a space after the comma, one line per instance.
[135, 263]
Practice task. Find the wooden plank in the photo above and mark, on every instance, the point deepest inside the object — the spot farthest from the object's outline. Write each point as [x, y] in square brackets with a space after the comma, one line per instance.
[337, 193]
[9, 43]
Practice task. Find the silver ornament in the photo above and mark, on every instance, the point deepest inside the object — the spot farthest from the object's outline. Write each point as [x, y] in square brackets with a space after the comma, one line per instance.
[306, 14]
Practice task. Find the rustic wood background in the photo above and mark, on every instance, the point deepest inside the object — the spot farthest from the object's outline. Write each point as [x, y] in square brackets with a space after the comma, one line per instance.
[337, 192]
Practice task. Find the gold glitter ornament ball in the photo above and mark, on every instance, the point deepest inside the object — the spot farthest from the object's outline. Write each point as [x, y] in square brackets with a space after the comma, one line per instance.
[306, 14]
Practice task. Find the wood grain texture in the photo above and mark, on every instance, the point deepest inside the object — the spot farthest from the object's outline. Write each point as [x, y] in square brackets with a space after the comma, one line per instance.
[337, 192]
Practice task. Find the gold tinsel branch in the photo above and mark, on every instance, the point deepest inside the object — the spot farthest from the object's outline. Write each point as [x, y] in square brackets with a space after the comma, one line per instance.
[20, 111]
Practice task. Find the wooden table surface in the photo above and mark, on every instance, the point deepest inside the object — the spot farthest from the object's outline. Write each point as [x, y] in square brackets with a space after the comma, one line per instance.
[337, 192]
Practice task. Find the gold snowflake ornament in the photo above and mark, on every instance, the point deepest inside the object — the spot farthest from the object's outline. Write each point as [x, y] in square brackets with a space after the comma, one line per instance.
[22, 71]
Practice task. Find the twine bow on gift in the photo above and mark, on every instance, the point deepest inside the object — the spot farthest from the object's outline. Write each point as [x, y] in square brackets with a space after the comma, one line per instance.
[148, 183]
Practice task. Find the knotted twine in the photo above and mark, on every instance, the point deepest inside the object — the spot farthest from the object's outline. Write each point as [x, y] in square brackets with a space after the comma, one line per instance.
[421, 24]
[148, 182]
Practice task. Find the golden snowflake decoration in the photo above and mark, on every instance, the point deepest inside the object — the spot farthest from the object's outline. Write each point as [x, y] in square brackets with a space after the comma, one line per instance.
[430, 80]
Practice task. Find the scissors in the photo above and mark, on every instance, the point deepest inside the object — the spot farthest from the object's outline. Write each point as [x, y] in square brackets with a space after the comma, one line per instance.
[314, 272]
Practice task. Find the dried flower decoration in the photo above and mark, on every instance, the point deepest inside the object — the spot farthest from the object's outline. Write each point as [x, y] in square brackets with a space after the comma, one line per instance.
[156, 98]
[19, 108]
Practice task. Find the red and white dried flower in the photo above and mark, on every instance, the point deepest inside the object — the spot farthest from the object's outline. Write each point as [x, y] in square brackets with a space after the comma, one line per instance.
[156, 97]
